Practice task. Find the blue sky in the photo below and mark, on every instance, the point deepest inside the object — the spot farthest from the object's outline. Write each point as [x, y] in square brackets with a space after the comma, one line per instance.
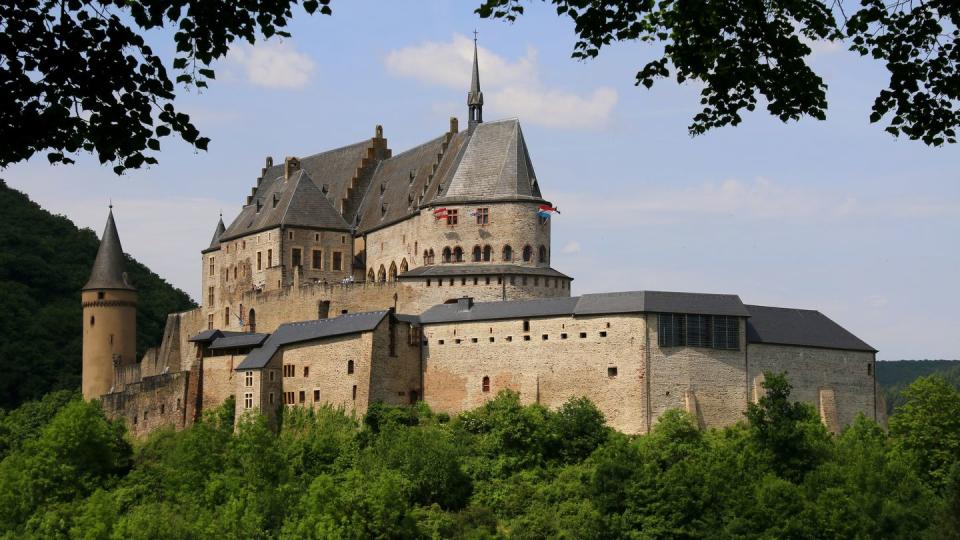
[834, 215]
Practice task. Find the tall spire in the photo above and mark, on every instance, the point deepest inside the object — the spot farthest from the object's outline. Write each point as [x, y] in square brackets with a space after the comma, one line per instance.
[108, 267]
[215, 243]
[475, 96]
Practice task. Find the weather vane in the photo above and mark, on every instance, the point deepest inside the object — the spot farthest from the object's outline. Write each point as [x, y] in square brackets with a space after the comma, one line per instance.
[474, 36]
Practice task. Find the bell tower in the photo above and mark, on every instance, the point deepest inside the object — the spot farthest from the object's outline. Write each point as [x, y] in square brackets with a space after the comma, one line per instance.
[109, 316]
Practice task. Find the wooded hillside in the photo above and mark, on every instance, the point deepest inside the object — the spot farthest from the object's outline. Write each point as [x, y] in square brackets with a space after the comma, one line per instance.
[44, 261]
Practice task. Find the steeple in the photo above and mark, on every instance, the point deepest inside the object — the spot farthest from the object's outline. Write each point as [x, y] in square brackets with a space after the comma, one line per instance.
[108, 268]
[475, 96]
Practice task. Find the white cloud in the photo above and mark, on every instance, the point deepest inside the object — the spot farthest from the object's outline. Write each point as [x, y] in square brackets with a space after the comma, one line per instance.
[511, 88]
[571, 247]
[273, 64]
[759, 199]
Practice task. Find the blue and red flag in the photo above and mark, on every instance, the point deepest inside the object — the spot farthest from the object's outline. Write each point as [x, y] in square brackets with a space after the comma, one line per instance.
[545, 211]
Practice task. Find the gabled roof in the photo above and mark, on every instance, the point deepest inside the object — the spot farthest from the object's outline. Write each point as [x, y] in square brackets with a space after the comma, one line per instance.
[408, 180]
[444, 270]
[592, 304]
[495, 165]
[108, 268]
[296, 201]
[299, 332]
[801, 327]
[208, 336]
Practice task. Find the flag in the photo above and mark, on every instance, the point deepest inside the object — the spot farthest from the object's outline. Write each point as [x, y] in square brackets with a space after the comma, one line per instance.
[543, 215]
[440, 213]
[548, 208]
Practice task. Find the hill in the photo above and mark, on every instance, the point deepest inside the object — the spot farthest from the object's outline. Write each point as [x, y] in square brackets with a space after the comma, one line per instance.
[895, 375]
[44, 261]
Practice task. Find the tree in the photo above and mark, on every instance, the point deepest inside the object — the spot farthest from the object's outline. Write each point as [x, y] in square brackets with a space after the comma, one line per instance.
[79, 76]
[745, 52]
[926, 429]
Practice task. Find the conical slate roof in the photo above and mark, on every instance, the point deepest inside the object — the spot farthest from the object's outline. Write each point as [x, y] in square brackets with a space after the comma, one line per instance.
[107, 272]
[475, 97]
[215, 242]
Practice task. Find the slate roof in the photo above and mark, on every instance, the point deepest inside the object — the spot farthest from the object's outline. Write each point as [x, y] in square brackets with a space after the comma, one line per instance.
[299, 332]
[445, 270]
[242, 340]
[802, 327]
[495, 165]
[592, 304]
[207, 336]
[408, 180]
[215, 242]
[291, 202]
[108, 268]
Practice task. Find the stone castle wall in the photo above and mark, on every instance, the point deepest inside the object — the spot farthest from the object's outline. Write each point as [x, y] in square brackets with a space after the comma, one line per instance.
[152, 403]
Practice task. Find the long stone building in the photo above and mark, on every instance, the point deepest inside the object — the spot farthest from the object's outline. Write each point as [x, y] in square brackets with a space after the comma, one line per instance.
[356, 275]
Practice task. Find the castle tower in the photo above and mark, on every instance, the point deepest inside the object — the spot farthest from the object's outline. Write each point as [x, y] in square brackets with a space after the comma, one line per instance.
[109, 316]
[475, 96]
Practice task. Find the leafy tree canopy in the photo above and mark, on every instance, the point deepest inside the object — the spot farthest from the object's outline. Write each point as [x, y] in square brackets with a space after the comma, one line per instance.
[748, 54]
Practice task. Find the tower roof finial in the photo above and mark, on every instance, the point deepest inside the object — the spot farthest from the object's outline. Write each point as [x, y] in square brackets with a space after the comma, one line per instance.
[475, 96]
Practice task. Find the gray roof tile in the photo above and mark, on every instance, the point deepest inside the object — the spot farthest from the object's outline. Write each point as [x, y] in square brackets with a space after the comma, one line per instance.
[444, 270]
[241, 340]
[801, 327]
[108, 268]
[299, 332]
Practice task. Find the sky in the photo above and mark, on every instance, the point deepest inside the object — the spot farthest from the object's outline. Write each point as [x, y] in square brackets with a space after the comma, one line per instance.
[832, 215]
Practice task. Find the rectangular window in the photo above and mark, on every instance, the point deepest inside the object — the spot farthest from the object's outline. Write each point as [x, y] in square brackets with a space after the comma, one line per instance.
[259, 260]
[354, 392]
[337, 261]
[273, 375]
[248, 379]
[289, 370]
[317, 259]
[452, 216]
[306, 371]
[209, 296]
[269, 258]
[712, 331]
[270, 395]
[303, 396]
[248, 401]
[296, 257]
[211, 267]
[483, 216]
[316, 396]
[612, 371]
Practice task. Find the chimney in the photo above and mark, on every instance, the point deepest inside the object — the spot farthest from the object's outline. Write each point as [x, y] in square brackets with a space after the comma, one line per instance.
[465, 303]
[290, 166]
[454, 124]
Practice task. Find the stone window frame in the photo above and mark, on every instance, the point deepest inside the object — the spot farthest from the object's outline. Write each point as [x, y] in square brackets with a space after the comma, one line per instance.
[453, 217]
[485, 384]
[316, 256]
[212, 265]
[337, 261]
[527, 254]
[483, 216]
[247, 401]
[507, 253]
[248, 379]
[351, 367]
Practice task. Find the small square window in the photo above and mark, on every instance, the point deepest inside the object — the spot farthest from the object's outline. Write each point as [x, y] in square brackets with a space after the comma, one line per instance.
[492, 339]
[612, 371]
[583, 335]
[473, 340]
[439, 342]
[545, 337]
[563, 336]
[603, 334]
[509, 338]
[526, 338]
[457, 341]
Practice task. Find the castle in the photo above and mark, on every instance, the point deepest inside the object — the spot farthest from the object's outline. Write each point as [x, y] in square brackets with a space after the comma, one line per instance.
[355, 275]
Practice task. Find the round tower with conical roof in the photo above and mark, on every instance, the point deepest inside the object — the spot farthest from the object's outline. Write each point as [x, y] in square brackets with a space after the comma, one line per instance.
[109, 316]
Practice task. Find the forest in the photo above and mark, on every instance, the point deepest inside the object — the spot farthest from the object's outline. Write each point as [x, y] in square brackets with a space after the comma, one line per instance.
[44, 261]
[504, 470]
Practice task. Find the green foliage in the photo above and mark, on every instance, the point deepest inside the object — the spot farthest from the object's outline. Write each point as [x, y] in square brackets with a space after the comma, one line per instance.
[81, 76]
[750, 53]
[44, 262]
[895, 376]
[926, 429]
[504, 470]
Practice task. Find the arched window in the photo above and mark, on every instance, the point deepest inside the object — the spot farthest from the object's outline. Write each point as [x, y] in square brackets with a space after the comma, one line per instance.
[487, 253]
[486, 384]
[252, 320]
[543, 254]
[477, 253]
[403, 266]
[382, 274]
[446, 254]
[371, 276]
[432, 256]
[349, 367]
[527, 253]
[458, 254]
[393, 271]
[507, 253]
[426, 257]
